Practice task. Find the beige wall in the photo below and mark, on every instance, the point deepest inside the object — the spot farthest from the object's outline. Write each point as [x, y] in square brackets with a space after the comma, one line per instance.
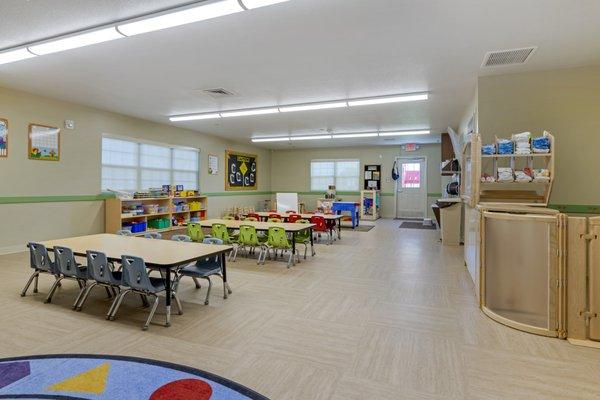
[564, 102]
[296, 164]
[78, 171]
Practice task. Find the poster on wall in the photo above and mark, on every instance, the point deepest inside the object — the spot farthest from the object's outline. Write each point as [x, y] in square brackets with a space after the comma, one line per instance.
[213, 164]
[44, 142]
[3, 137]
[241, 171]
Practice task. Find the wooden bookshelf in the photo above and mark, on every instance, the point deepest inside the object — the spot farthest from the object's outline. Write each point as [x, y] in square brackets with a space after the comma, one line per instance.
[168, 209]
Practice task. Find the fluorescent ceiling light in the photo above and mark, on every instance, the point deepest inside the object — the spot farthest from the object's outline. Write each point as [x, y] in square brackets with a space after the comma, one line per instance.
[404, 133]
[254, 111]
[314, 106]
[273, 139]
[250, 4]
[72, 42]
[194, 117]
[15, 55]
[186, 16]
[311, 137]
[354, 135]
[388, 99]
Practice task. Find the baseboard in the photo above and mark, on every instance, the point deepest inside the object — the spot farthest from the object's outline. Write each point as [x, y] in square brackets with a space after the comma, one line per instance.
[18, 248]
[584, 342]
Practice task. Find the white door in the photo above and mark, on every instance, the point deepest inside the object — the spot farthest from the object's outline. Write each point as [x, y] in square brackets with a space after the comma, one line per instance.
[411, 188]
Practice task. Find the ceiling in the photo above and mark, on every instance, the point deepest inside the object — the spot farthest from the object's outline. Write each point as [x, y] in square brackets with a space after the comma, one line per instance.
[296, 52]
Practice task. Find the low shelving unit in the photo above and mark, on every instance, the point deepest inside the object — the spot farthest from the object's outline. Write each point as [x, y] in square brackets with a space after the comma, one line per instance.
[370, 204]
[160, 214]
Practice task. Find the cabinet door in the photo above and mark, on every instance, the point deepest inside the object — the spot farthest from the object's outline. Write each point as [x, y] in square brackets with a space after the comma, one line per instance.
[594, 276]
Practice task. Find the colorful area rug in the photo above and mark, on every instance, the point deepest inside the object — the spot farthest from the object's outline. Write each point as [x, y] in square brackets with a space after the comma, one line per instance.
[82, 376]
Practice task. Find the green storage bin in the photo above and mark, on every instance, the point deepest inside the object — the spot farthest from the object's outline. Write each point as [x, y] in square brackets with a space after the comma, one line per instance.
[159, 223]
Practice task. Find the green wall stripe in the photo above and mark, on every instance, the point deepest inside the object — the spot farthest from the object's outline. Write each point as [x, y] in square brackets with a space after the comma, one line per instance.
[235, 193]
[54, 199]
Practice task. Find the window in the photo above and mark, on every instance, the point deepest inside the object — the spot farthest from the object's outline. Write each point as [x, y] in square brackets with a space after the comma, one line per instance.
[129, 165]
[411, 175]
[344, 174]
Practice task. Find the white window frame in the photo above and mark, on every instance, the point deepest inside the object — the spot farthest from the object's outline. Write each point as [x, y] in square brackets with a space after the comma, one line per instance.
[335, 161]
[139, 168]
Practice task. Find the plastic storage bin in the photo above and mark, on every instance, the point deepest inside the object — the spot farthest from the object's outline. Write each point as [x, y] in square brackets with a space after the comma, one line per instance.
[160, 223]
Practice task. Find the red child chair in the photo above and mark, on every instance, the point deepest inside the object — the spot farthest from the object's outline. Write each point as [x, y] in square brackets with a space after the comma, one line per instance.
[291, 218]
[320, 226]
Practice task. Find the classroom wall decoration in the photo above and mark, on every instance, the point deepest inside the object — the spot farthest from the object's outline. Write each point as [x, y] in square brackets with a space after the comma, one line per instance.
[3, 137]
[44, 142]
[241, 171]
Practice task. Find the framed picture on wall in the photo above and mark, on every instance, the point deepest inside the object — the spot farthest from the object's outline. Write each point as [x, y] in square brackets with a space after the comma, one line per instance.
[213, 164]
[241, 171]
[3, 137]
[44, 143]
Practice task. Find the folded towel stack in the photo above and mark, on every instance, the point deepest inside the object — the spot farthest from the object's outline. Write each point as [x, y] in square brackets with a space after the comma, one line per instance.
[505, 174]
[523, 176]
[488, 149]
[541, 144]
[541, 175]
[505, 146]
[522, 142]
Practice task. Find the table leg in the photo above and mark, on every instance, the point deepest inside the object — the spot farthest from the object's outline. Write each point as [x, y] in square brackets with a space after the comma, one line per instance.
[293, 249]
[224, 272]
[168, 296]
[312, 242]
[339, 224]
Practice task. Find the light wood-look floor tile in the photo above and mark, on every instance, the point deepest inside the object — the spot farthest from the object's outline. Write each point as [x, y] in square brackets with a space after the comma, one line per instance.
[386, 314]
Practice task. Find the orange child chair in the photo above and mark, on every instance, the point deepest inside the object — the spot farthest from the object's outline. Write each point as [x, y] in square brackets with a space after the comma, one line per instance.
[274, 215]
[320, 227]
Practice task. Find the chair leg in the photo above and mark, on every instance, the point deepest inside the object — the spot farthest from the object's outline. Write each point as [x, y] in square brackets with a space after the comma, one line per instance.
[108, 292]
[81, 292]
[35, 285]
[112, 312]
[290, 259]
[31, 279]
[85, 296]
[178, 303]
[208, 291]
[305, 250]
[196, 282]
[52, 290]
[144, 300]
[154, 307]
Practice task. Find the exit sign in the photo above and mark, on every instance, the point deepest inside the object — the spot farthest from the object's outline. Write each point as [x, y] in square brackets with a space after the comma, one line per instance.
[411, 147]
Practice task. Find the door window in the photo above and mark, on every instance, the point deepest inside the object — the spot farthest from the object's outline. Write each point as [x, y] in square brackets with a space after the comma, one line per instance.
[411, 175]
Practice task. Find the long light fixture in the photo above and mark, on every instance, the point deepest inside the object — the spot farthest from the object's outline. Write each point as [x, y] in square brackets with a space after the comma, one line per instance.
[388, 99]
[303, 107]
[310, 137]
[340, 136]
[313, 106]
[198, 11]
[15, 55]
[72, 42]
[244, 113]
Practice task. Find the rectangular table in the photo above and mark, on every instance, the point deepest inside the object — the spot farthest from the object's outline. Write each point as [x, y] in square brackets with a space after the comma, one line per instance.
[164, 254]
[264, 226]
[264, 215]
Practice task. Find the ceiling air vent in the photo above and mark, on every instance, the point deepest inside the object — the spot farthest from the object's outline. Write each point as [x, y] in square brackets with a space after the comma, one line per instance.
[507, 57]
[218, 92]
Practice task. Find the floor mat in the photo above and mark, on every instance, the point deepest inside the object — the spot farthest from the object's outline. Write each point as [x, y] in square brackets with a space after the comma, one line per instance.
[360, 228]
[83, 376]
[416, 225]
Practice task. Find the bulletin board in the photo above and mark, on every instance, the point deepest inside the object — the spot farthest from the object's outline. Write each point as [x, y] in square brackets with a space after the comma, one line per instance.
[242, 171]
[44, 142]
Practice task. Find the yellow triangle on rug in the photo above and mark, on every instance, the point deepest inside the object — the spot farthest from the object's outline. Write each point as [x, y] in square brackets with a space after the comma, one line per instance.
[90, 381]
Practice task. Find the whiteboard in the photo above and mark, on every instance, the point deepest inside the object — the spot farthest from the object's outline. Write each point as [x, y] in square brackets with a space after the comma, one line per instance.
[287, 202]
